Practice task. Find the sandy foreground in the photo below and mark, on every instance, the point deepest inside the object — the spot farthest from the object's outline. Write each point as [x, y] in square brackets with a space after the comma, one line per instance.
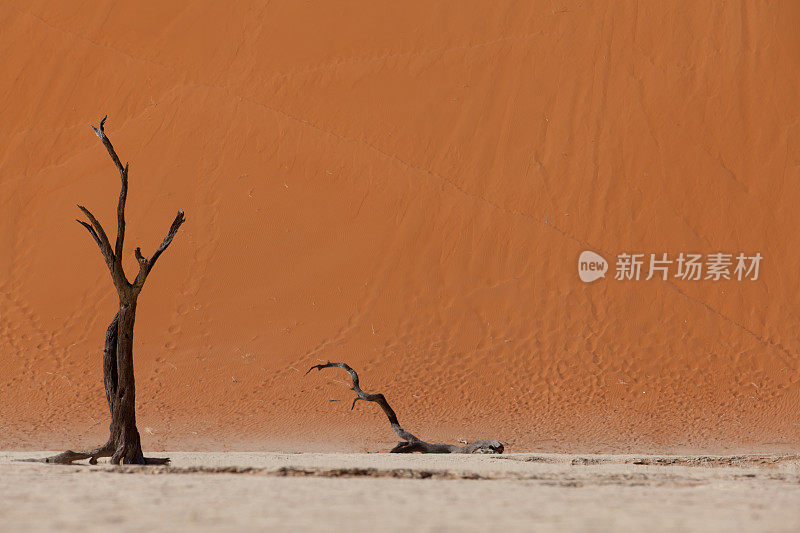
[335, 492]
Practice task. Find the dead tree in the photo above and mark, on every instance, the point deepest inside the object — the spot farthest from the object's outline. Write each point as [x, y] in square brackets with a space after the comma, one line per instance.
[123, 444]
[410, 443]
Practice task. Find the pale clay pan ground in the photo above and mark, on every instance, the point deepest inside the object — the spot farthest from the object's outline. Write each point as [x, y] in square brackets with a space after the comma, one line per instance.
[382, 492]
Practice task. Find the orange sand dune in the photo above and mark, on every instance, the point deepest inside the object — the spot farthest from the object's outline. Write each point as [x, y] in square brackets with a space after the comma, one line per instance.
[406, 187]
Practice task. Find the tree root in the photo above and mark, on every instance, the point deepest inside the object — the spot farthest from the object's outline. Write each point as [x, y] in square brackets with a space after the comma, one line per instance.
[69, 457]
[410, 443]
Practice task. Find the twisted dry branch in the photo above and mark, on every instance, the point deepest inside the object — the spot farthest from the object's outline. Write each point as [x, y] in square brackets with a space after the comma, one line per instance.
[410, 443]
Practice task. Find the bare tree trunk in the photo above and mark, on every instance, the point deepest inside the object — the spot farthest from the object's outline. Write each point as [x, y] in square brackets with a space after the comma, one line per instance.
[123, 417]
[124, 444]
[110, 363]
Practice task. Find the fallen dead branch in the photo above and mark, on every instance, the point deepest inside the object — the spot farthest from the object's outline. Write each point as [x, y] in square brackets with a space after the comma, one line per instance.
[410, 443]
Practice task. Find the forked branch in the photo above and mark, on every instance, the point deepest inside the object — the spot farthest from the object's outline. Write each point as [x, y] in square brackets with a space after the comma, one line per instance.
[123, 192]
[113, 257]
[146, 265]
[410, 443]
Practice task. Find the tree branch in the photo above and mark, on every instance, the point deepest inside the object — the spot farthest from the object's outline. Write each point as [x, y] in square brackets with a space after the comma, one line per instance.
[99, 235]
[92, 232]
[173, 229]
[145, 265]
[123, 193]
[144, 268]
[377, 398]
[100, 132]
[123, 196]
[411, 443]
